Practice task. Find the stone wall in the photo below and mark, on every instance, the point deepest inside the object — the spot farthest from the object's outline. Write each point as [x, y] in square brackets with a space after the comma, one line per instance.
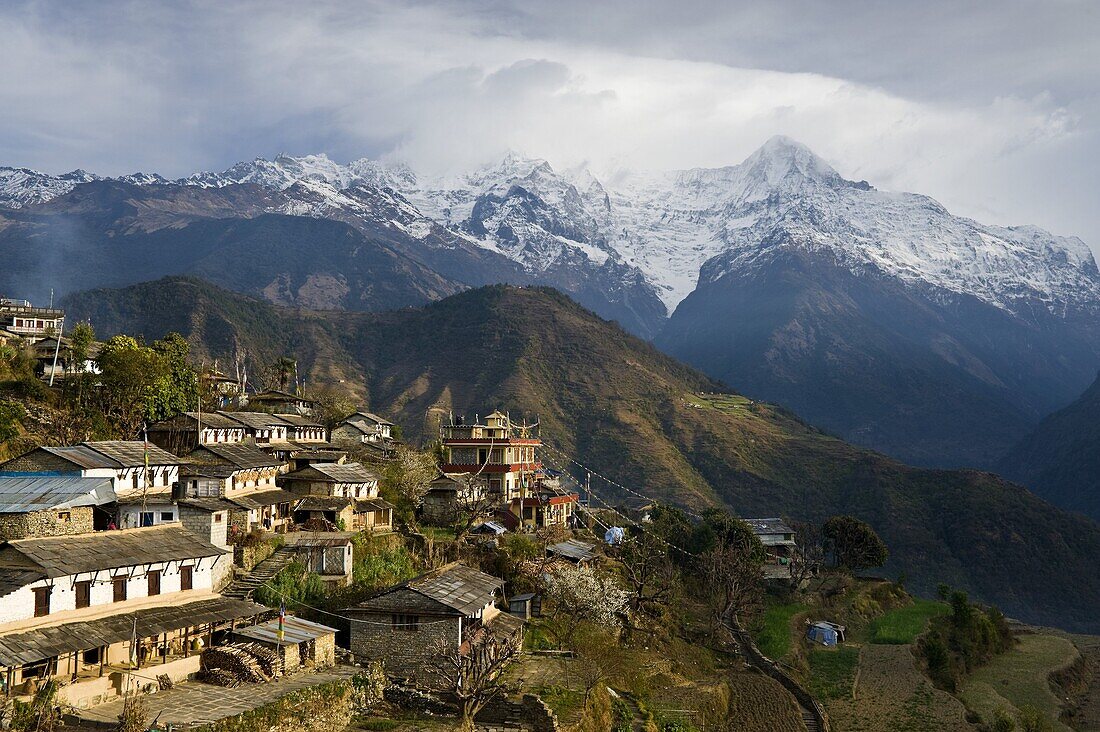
[46, 523]
[529, 711]
[324, 650]
[407, 654]
[248, 557]
[203, 523]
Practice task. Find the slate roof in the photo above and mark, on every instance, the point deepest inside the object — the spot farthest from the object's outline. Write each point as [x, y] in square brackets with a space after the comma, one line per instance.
[314, 539]
[42, 643]
[334, 473]
[323, 503]
[464, 590]
[83, 457]
[371, 504]
[209, 504]
[295, 631]
[59, 556]
[23, 494]
[259, 499]
[372, 417]
[578, 551]
[132, 453]
[255, 420]
[278, 395]
[239, 456]
[189, 420]
[12, 579]
[298, 420]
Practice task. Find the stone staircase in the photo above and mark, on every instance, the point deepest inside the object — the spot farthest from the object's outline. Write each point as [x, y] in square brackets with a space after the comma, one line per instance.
[265, 571]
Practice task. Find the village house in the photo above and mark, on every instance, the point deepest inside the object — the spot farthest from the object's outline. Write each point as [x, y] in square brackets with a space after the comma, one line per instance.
[56, 360]
[328, 554]
[43, 505]
[369, 431]
[69, 606]
[343, 495]
[276, 400]
[305, 430]
[188, 430]
[142, 475]
[450, 495]
[779, 546]
[227, 390]
[260, 428]
[245, 478]
[408, 624]
[505, 454]
[31, 323]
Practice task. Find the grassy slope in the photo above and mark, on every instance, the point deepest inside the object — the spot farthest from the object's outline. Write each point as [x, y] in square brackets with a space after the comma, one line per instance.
[630, 412]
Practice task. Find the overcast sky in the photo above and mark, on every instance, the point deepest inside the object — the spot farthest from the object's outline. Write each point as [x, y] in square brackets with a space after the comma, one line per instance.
[993, 108]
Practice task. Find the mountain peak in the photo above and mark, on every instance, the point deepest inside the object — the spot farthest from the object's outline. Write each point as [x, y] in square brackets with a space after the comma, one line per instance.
[781, 157]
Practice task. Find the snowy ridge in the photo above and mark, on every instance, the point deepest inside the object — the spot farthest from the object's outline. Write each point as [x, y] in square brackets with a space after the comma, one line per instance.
[672, 229]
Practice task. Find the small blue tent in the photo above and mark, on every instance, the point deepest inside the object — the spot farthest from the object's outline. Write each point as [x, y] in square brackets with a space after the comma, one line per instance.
[614, 535]
[823, 633]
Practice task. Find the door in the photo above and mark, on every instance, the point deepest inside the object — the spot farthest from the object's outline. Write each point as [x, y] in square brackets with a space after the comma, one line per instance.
[186, 577]
[83, 594]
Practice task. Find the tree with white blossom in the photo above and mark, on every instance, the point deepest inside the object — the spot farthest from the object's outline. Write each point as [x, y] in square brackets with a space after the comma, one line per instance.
[580, 594]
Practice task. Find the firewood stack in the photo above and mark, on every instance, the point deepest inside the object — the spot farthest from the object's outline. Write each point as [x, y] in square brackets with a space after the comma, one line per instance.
[244, 662]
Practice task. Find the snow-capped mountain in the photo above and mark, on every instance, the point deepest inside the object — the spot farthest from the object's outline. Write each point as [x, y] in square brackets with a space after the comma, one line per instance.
[671, 228]
[878, 315]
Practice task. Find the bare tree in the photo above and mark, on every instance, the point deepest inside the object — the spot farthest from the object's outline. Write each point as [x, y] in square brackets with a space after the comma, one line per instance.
[473, 503]
[471, 672]
[597, 657]
[809, 552]
[731, 578]
[653, 577]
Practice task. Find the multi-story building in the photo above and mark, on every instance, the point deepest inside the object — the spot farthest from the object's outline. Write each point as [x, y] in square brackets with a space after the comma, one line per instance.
[104, 610]
[23, 319]
[504, 456]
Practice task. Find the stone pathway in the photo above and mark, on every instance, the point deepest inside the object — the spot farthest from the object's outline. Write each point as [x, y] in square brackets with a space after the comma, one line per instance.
[195, 703]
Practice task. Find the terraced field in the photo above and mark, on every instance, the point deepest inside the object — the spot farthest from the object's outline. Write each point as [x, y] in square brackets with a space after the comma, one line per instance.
[1018, 679]
[892, 694]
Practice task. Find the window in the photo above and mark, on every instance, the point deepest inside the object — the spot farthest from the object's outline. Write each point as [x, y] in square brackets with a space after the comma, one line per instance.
[166, 515]
[187, 577]
[90, 656]
[410, 623]
[83, 594]
[153, 577]
[64, 516]
[218, 518]
[42, 601]
[136, 485]
[119, 587]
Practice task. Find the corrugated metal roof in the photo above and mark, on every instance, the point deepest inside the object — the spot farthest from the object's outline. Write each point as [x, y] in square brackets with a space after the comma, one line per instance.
[573, 549]
[42, 643]
[23, 494]
[83, 457]
[768, 526]
[295, 631]
[59, 556]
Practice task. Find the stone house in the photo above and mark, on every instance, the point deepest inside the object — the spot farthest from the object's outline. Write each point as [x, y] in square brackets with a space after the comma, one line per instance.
[276, 400]
[42, 505]
[779, 545]
[69, 607]
[29, 322]
[303, 429]
[346, 493]
[450, 494]
[301, 645]
[328, 554]
[408, 625]
[366, 430]
[188, 430]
